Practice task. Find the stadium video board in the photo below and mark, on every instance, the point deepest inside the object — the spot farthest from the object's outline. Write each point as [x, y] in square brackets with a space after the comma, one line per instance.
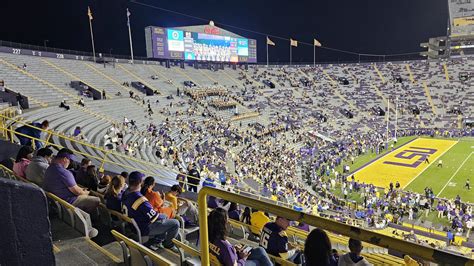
[168, 43]
[461, 14]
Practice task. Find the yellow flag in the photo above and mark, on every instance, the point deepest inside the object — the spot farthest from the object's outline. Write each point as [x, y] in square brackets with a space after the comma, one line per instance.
[294, 43]
[317, 43]
[89, 13]
[270, 42]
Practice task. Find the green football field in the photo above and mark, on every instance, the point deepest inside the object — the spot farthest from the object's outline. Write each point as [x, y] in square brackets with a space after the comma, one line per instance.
[449, 181]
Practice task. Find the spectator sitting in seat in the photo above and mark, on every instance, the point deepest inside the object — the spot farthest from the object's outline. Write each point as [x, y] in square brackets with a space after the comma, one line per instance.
[60, 181]
[151, 223]
[64, 105]
[234, 211]
[103, 184]
[223, 251]
[246, 216]
[182, 207]
[31, 132]
[155, 199]
[90, 179]
[81, 102]
[353, 257]
[113, 195]
[303, 226]
[275, 241]
[23, 159]
[78, 133]
[81, 173]
[318, 250]
[38, 165]
[258, 219]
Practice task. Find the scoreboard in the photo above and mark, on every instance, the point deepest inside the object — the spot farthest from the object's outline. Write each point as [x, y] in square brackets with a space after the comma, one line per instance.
[210, 45]
[461, 15]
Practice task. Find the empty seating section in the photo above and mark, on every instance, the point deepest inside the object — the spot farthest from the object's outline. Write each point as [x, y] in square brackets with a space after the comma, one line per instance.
[165, 132]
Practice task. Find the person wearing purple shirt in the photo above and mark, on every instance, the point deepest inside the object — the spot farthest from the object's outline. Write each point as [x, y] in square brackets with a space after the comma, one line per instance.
[60, 182]
[150, 222]
[223, 251]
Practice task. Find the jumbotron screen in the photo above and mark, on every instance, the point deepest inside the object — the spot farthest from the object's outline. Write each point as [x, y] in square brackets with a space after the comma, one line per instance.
[200, 46]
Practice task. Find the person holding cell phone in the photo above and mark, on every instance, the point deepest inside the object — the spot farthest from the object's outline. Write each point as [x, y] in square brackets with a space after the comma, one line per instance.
[224, 251]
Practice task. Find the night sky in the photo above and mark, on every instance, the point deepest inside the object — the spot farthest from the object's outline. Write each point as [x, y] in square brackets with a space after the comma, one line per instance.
[364, 26]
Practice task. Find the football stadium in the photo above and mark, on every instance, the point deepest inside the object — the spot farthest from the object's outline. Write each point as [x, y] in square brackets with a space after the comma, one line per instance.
[212, 142]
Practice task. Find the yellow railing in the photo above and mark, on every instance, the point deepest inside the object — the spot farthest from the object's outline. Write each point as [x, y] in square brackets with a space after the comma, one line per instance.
[379, 73]
[67, 73]
[413, 249]
[245, 116]
[10, 134]
[428, 96]
[103, 160]
[446, 72]
[89, 65]
[412, 78]
[138, 78]
[154, 257]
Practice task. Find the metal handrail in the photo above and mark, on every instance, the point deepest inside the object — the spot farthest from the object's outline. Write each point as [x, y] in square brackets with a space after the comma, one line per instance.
[413, 249]
[104, 160]
[159, 260]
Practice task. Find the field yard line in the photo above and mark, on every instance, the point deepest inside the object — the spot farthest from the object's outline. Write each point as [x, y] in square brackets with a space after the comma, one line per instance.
[454, 174]
[429, 165]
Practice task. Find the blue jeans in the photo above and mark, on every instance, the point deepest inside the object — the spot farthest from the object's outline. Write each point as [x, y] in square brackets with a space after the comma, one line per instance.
[258, 257]
[167, 230]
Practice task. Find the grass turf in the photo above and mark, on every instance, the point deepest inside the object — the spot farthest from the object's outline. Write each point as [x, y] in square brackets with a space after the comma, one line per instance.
[369, 156]
[448, 181]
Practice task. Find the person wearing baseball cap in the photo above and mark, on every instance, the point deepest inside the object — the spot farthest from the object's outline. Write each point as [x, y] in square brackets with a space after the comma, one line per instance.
[150, 222]
[60, 181]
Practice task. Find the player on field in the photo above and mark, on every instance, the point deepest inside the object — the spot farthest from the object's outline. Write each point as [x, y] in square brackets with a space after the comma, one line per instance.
[468, 184]
[427, 159]
[440, 163]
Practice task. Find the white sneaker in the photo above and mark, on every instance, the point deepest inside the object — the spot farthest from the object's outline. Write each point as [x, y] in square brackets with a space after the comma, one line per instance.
[93, 232]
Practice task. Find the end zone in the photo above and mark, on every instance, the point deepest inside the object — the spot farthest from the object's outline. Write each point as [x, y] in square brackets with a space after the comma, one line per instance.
[404, 164]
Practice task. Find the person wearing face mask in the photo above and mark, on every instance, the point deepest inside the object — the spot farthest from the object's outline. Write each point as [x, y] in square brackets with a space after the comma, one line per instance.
[38, 165]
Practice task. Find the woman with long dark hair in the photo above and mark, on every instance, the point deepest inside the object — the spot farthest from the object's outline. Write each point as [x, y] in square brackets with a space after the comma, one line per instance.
[23, 159]
[155, 198]
[223, 251]
[113, 194]
[318, 250]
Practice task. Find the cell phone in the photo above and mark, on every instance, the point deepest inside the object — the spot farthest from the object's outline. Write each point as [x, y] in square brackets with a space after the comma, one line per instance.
[247, 249]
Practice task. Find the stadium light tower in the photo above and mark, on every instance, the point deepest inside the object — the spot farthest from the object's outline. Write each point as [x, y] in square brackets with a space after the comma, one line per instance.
[396, 118]
[388, 118]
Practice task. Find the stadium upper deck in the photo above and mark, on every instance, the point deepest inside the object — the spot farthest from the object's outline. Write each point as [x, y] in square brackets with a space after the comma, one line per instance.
[263, 153]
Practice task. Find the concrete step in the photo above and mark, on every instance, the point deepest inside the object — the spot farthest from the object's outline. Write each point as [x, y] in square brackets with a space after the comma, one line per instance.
[73, 257]
[83, 250]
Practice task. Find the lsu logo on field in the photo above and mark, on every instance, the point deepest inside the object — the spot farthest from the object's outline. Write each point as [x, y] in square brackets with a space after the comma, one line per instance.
[405, 163]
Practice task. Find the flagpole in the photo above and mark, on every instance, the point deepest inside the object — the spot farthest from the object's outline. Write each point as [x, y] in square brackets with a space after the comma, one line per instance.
[267, 51]
[314, 55]
[130, 34]
[92, 34]
[290, 52]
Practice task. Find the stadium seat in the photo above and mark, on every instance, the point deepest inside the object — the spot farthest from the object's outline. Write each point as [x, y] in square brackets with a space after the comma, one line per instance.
[137, 254]
[106, 216]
